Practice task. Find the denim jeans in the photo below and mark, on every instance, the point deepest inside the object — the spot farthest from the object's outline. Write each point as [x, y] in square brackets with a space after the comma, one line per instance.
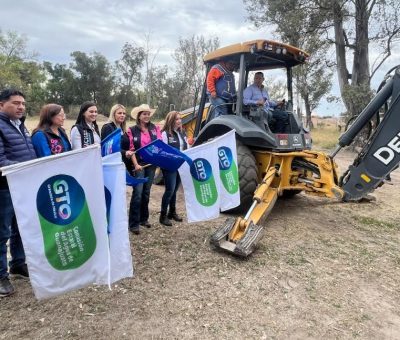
[139, 205]
[281, 120]
[171, 181]
[220, 107]
[9, 231]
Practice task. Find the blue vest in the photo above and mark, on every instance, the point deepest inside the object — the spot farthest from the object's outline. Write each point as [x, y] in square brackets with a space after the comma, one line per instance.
[225, 86]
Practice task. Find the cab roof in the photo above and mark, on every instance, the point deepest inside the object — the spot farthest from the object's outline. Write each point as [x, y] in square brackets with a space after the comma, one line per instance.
[259, 54]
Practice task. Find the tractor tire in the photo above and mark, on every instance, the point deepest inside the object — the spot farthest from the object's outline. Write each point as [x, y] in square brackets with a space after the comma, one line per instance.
[248, 176]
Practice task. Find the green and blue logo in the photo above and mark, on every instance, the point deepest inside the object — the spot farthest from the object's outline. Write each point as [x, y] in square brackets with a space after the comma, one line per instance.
[228, 170]
[204, 182]
[67, 228]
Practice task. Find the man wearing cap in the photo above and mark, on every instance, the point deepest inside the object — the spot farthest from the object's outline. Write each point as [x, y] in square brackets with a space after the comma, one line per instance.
[136, 137]
[221, 87]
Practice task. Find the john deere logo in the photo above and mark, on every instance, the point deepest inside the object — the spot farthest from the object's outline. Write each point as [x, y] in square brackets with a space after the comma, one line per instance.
[228, 170]
[204, 182]
[67, 228]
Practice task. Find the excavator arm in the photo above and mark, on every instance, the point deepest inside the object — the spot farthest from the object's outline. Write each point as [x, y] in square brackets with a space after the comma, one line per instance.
[381, 154]
[309, 171]
[315, 173]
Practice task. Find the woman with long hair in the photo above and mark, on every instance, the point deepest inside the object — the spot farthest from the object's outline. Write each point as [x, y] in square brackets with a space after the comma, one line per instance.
[137, 136]
[49, 137]
[116, 120]
[173, 135]
[85, 132]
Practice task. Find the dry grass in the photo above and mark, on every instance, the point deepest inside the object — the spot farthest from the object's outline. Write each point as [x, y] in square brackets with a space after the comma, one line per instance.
[31, 122]
[325, 137]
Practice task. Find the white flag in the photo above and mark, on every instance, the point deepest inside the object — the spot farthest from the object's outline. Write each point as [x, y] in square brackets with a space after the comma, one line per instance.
[115, 192]
[200, 182]
[228, 171]
[60, 208]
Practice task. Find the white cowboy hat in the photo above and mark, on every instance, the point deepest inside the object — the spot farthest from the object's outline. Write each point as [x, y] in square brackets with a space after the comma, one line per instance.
[141, 108]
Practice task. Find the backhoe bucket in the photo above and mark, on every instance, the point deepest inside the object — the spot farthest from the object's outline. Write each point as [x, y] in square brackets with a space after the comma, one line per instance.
[244, 246]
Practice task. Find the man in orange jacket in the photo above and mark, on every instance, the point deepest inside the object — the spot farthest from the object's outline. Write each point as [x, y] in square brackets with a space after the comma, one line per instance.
[221, 86]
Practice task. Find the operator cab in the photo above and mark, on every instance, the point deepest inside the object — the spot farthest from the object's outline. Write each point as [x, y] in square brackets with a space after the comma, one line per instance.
[253, 126]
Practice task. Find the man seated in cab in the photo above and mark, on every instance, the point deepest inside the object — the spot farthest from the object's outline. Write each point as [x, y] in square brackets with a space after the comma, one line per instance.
[257, 94]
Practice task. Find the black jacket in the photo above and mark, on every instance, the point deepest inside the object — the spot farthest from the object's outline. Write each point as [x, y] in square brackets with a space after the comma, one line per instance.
[15, 146]
[107, 129]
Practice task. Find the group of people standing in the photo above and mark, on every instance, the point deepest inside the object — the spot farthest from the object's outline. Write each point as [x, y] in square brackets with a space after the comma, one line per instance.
[50, 138]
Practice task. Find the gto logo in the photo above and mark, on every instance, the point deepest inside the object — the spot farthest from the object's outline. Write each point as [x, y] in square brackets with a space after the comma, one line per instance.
[60, 188]
[223, 159]
[385, 154]
[201, 170]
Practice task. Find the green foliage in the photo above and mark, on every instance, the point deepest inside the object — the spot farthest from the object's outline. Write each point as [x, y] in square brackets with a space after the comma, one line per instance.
[132, 59]
[60, 87]
[190, 69]
[352, 28]
[93, 79]
[358, 95]
[19, 71]
[292, 20]
[131, 80]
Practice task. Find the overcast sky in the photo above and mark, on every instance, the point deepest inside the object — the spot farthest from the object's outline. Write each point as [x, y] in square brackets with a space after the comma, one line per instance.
[56, 28]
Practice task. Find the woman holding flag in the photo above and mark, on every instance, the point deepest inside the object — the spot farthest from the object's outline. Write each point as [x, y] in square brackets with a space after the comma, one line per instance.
[136, 137]
[116, 120]
[173, 135]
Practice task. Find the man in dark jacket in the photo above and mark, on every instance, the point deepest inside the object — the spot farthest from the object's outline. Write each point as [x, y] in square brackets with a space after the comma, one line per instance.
[15, 147]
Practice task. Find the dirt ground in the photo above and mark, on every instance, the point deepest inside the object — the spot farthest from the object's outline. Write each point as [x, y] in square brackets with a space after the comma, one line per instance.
[324, 269]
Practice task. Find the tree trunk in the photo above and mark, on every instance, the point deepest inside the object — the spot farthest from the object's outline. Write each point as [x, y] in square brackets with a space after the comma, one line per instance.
[360, 72]
[307, 105]
[343, 74]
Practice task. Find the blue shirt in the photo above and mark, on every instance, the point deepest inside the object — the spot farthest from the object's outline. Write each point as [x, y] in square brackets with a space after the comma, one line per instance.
[253, 93]
[42, 147]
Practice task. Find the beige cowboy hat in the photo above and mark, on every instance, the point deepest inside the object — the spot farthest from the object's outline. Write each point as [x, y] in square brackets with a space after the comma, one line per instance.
[141, 108]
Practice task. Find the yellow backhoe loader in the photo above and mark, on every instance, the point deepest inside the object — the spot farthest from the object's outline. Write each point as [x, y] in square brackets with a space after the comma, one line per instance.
[273, 164]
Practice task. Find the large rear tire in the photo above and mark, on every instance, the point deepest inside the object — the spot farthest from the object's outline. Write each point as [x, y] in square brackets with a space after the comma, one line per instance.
[248, 176]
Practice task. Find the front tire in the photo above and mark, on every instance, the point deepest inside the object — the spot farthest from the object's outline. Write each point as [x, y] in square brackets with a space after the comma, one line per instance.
[248, 176]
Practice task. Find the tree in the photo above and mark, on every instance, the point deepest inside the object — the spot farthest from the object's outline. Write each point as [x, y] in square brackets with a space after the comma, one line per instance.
[351, 26]
[150, 55]
[13, 46]
[159, 99]
[17, 69]
[128, 68]
[60, 86]
[94, 79]
[130, 63]
[312, 79]
[190, 69]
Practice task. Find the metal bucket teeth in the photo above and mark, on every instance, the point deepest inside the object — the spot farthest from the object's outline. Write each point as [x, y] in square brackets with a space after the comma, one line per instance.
[245, 246]
[221, 233]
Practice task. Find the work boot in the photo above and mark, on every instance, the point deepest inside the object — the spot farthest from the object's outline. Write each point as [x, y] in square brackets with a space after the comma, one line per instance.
[145, 224]
[6, 288]
[164, 220]
[174, 216]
